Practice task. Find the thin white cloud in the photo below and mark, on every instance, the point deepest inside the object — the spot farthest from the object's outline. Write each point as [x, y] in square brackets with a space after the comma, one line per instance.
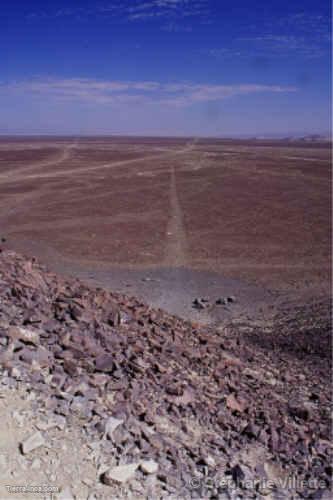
[223, 52]
[177, 28]
[281, 44]
[300, 34]
[306, 23]
[139, 92]
[166, 10]
[299, 41]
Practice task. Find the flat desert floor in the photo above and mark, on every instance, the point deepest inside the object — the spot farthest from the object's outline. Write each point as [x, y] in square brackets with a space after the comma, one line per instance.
[173, 219]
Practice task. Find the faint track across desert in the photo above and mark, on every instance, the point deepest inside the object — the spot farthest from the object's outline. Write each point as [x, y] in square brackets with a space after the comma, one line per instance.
[64, 154]
[20, 173]
[176, 248]
[178, 204]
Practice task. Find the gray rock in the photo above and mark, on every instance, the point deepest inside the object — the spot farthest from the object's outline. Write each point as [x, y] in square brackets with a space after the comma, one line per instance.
[221, 301]
[32, 443]
[6, 356]
[120, 474]
[16, 373]
[92, 496]
[18, 417]
[66, 494]
[36, 464]
[111, 425]
[57, 421]
[105, 363]
[149, 466]
[25, 334]
[200, 304]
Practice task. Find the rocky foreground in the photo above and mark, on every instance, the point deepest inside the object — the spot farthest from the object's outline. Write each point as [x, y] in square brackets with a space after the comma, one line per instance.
[166, 409]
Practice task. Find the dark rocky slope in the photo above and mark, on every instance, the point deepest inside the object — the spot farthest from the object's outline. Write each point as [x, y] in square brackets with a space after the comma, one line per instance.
[220, 412]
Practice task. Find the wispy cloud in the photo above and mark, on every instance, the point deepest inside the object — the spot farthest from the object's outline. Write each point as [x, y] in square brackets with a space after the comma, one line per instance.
[177, 28]
[171, 9]
[165, 10]
[140, 92]
[306, 23]
[299, 34]
[224, 52]
[282, 44]
[77, 12]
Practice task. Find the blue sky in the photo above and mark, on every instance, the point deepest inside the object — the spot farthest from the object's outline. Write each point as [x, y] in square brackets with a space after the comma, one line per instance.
[165, 67]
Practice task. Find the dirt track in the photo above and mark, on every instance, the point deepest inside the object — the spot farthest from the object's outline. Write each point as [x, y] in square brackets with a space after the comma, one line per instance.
[257, 212]
[166, 221]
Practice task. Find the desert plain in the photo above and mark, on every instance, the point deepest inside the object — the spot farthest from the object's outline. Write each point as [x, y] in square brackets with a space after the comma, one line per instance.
[172, 219]
[208, 374]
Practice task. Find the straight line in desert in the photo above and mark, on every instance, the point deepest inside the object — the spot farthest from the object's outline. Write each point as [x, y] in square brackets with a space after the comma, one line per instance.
[189, 146]
[64, 154]
[325, 160]
[176, 247]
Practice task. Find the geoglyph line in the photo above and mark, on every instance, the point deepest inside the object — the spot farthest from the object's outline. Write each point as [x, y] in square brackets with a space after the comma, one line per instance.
[82, 170]
[176, 248]
[20, 173]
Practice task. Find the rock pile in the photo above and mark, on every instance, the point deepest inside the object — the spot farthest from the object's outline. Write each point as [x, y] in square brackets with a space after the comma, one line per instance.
[186, 411]
[202, 303]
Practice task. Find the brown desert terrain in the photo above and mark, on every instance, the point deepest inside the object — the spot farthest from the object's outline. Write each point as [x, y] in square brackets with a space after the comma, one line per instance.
[192, 358]
[188, 214]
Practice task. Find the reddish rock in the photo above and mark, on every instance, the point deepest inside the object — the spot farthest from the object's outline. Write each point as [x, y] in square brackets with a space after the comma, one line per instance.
[105, 363]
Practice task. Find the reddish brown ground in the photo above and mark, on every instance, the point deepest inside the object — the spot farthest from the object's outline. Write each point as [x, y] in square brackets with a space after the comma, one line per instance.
[254, 210]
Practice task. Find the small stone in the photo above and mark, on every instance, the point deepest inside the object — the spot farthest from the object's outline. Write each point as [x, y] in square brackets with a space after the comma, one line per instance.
[16, 373]
[221, 301]
[149, 466]
[251, 430]
[111, 425]
[298, 410]
[22, 462]
[36, 463]
[235, 405]
[105, 363]
[32, 443]
[209, 460]
[7, 355]
[24, 334]
[60, 422]
[199, 304]
[120, 474]
[18, 417]
[91, 496]
[31, 396]
[70, 367]
[66, 494]
[237, 474]
[87, 481]
[35, 366]
[44, 426]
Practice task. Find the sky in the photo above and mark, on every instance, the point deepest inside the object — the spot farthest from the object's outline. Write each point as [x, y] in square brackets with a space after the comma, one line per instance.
[165, 67]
